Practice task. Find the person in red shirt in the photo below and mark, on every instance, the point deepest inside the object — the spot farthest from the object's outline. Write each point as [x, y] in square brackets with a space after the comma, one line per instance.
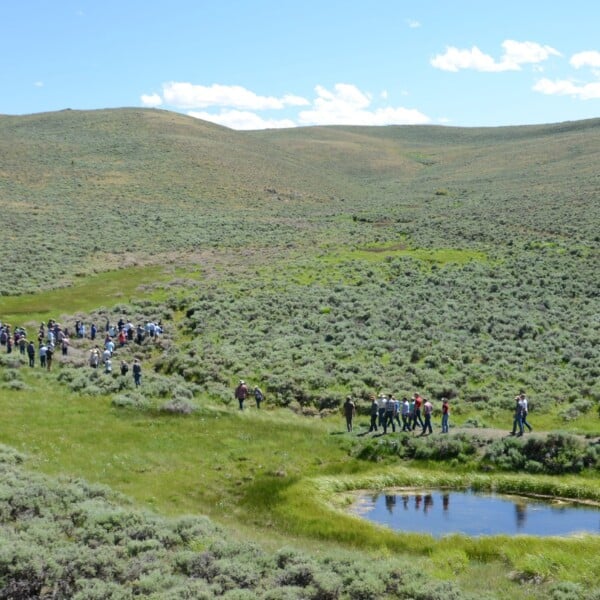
[445, 414]
[417, 412]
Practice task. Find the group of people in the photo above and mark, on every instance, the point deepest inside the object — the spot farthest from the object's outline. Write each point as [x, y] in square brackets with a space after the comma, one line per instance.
[242, 391]
[386, 411]
[49, 337]
[52, 335]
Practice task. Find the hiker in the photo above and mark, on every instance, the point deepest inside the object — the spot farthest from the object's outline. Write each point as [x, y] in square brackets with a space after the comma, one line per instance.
[137, 372]
[390, 413]
[374, 412]
[405, 414]
[64, 345]
[427, 410]
[31, 353]
[258, 396]
[241, 393]
[397, 410]
[445, 414]
[524, 410]
[381, 403]
[124, 367]
[518, 417]
[108, 366]
[94, 357]
[49, 355]
[42, 354]
[349, 412]
[417, 411]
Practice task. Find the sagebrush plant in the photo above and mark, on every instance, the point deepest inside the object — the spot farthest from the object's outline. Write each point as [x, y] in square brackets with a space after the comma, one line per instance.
[82, 541]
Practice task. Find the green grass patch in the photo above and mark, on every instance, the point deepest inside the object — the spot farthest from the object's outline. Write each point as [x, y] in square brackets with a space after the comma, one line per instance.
[103, 289]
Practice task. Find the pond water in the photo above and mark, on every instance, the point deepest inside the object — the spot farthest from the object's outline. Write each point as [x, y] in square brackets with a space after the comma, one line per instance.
[442, 512]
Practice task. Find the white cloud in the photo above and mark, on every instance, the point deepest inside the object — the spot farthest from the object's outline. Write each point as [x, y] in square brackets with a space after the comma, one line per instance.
[237, 119]
[151, 100]
[347, 105]
[188, 95]
[589, 58]
[515, 55]
[413, 24]
[564, 87]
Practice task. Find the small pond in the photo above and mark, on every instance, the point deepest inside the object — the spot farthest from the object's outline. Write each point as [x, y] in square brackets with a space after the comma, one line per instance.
[442, 512]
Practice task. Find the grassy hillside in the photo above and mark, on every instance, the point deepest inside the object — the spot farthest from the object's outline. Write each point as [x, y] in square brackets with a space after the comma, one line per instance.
[315, 262]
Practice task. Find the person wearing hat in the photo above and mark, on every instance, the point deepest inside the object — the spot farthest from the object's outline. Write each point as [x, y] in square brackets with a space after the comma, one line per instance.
[241, 393]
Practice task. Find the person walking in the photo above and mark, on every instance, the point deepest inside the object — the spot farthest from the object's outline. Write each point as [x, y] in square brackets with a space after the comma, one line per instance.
[390, 413]
[241, 393]
[524, 410]
[258, 396]
[427, 411]
[405, 414]
[518, 417]
[349, 412]
[381, 403]
[417, 411]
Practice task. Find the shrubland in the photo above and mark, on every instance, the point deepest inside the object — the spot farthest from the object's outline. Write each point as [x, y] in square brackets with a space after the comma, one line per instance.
[316, 263]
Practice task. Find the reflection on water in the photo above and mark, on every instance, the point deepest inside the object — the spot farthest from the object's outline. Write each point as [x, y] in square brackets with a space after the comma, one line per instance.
[442, 512]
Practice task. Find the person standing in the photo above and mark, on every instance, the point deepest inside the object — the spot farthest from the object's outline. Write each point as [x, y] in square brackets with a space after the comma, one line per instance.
[349, 412]
[42, 354]
[445, 415]
[374, 412]
[137, 372]
[427, 411]
[49, 355]
[31, 353]
[241, 393]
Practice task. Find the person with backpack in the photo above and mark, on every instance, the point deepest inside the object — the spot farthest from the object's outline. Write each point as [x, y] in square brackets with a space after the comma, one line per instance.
[258, 396]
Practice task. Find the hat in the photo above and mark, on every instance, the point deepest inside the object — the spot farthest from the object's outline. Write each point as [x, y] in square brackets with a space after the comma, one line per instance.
[242, 381]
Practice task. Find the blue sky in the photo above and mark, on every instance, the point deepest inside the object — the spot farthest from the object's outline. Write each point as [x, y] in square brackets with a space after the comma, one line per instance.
[278, 63]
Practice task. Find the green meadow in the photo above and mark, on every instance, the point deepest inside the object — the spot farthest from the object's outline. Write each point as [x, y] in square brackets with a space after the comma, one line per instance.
[315, 263]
